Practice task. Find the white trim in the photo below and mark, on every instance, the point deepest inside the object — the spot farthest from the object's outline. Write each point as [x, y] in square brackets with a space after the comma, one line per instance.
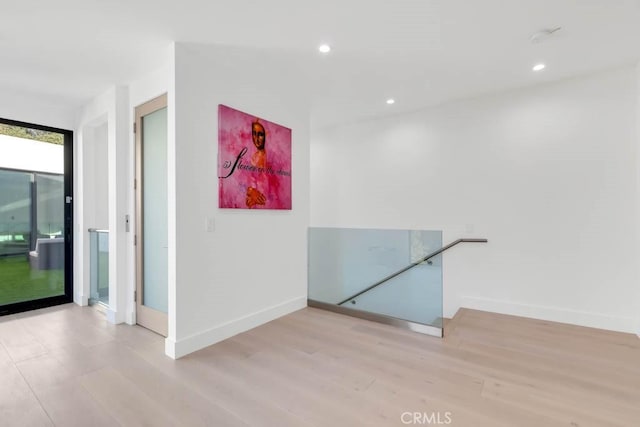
[554, 314]
[112, 317]
[637, 155]
[131, 316]
[170, 346]
[81, 300]
[178, 349]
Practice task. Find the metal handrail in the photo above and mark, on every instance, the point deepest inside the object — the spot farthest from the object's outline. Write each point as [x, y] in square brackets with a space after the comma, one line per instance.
[97, 230]
[410, 266]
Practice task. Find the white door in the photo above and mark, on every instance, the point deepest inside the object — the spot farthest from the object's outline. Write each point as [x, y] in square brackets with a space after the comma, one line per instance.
[151, 215]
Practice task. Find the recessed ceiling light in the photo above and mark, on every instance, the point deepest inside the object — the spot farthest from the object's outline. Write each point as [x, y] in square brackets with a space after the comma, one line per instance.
[538, 67]
[391, 101]
[324, 48]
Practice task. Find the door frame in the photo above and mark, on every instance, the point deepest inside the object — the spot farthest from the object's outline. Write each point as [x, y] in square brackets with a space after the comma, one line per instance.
[67, 297]
[149, 318]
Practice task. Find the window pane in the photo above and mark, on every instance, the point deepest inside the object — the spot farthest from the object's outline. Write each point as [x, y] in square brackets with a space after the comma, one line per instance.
[31, 214]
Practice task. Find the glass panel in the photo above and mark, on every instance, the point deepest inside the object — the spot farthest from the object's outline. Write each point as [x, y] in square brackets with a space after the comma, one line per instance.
[99, 242]
[343, 262]
[31, 252]
[155, 234]
[103, 268]
[415, 295]
[50, 209]
[15, 213]
[93, 267]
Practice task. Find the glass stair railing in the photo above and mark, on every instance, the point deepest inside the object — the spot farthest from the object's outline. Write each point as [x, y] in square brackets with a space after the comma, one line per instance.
[414, 295]
[99, 267]
[389, 276]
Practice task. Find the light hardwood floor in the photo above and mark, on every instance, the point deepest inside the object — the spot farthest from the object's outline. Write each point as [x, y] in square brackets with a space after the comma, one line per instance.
[66, 366]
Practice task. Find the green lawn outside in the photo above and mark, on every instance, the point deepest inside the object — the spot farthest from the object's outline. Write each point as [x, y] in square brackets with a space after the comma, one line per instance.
[18, 282]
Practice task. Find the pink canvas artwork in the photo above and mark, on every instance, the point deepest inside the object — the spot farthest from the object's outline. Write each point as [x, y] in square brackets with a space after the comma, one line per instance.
[254, 162]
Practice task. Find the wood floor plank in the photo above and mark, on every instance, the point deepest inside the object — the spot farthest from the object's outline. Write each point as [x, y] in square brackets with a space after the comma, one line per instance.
[80, 360]
[186, 404]
[124, 401]
[225, 389]
[43, 371]
[69, 404]
[4, 355]
[19, 344]
[66, 366]
[563, 408]
[300, 367]
[237, 394]
[24, 413]
[13, 387]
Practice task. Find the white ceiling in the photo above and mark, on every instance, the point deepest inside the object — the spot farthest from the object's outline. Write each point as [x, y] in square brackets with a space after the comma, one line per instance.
[420, 52]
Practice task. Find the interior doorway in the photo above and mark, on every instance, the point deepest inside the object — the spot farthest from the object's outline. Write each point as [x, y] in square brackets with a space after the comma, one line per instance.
[151, 215]
[36, 216]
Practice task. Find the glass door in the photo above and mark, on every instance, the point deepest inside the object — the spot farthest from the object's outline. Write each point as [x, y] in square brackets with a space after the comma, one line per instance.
[151, 215]
[35, 216]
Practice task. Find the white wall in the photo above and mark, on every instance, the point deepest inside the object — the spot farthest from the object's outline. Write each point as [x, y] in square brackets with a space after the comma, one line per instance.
[91, 124]
[547, 174]
[31, 108]
[111, 114]
[94, 200]
[95, 176]
[110, 110]
[31, 155]
[637, 199]
[252, 268]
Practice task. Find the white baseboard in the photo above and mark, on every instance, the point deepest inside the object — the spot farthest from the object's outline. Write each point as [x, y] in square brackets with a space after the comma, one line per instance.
[131, 318]
[554, 314]
[182, 347]
[115, 317]
[81, 300]
[170, 348]
[112, 317]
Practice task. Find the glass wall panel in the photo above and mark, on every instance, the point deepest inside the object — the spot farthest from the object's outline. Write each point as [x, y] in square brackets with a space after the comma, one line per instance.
[15, 212]
[345, 263]
[50, 207]
[99, 266]
[31, 251]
